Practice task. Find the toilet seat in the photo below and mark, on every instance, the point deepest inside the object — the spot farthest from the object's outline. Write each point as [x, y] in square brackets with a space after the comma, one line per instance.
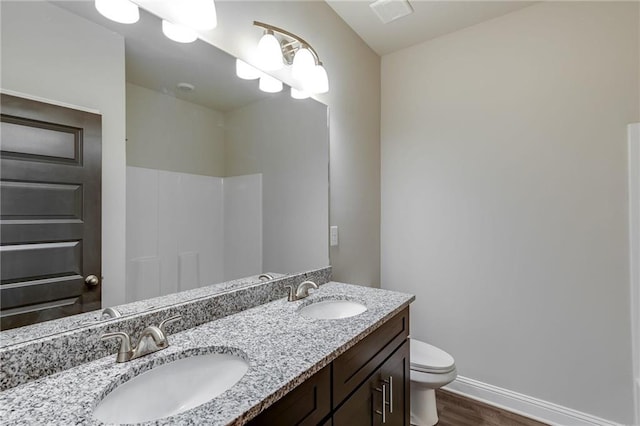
[427, 358]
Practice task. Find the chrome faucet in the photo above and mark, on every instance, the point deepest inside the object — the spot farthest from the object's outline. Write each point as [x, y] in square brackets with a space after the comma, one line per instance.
[301, 291]
[152, 339]
[265, 277]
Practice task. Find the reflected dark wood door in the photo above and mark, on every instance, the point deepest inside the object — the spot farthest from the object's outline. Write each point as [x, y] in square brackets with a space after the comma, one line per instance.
[50, 211]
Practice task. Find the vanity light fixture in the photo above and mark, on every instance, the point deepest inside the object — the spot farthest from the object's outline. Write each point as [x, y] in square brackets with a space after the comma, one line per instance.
[122, 11]
[197, 14]
[187, 16]
[291, 50]
[178, 33]
[269, 52]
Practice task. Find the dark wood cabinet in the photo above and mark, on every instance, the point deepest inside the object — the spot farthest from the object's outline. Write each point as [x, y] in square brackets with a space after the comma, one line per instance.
[308, 404]
[383, 399]
[357, 388]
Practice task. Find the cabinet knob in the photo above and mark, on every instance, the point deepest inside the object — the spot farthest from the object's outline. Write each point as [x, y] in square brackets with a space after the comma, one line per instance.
[92, 280]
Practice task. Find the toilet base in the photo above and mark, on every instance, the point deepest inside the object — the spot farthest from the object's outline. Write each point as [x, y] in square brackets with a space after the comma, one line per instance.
[423, 405]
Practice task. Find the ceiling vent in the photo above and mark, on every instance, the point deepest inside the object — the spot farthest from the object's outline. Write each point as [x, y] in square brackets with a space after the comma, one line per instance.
[390, 10]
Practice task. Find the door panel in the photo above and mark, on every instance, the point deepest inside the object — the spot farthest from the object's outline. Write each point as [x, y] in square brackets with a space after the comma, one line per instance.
[34, 140]
[50, 211]
[34, 200]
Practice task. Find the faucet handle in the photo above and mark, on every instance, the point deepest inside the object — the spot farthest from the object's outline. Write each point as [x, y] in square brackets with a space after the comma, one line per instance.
[168, 321]
[292, 293]
[125, 352]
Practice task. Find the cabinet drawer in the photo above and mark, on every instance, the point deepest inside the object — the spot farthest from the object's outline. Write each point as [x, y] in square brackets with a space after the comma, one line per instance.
[353, 367]
[308, 404]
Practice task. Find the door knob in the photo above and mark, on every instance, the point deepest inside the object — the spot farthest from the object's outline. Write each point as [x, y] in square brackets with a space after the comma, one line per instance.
[92, 280]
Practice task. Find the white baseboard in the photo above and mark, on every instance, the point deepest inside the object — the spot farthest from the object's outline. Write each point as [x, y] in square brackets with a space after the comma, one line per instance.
[524, 405]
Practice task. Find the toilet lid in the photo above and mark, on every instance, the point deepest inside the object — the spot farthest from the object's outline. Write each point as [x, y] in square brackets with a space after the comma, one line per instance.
[429, 359]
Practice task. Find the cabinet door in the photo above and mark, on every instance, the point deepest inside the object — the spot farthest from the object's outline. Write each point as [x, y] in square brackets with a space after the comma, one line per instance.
[359, 409]
[353, 367]
[383, 399]
[308, 404]
[395, 374]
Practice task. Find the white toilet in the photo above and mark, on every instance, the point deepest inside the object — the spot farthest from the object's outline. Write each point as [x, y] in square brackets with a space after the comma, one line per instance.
[431, 368]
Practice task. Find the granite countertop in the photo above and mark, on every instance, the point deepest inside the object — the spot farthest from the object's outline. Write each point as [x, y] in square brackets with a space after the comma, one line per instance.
[282, 347]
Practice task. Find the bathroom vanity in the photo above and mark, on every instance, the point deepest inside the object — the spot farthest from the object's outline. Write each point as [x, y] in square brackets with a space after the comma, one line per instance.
[300, 369]
[367, 385]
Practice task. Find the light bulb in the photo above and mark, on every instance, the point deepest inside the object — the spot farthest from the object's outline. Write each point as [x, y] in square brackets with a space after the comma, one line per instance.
[199, 15]
[269, 53]
[319, 81]
[303, 63]
[299, 94]
[178, 33]
[246, 71]
[269, 84]
[196, 14]
[122, 11]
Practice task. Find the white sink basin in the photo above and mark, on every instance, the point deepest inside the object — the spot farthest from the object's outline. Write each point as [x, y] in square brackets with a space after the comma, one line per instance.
[332, 309]
[171, 388]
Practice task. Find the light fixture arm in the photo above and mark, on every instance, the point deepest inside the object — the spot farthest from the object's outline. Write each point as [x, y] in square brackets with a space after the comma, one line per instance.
[288, 34]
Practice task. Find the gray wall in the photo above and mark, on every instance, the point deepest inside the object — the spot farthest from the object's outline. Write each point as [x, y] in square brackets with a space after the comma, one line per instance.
[354, 109]
[286, 140]
[167, 133]
[504, 198]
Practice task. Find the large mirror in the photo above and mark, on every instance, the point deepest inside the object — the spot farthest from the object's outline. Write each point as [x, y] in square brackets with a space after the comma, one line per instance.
[223, 181]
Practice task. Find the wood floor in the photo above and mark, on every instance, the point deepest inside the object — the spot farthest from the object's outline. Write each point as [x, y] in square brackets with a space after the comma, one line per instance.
[455, 410]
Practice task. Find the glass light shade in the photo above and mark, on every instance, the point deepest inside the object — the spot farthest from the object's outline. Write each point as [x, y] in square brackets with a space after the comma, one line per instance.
[299, 94]
[319, 81]
[246, 71]
[269, 84]
[122, 11]
[196, 14]
[269, 53]
[303, 64]
[178, 33]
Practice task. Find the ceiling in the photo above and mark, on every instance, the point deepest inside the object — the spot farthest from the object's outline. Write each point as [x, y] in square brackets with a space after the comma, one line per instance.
[429, 20]
[157, 63]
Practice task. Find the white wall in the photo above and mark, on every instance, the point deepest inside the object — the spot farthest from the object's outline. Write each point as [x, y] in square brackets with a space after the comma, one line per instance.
[504, 198]
[354, 104]
[167, 133]
[52, 54]
[293, 160]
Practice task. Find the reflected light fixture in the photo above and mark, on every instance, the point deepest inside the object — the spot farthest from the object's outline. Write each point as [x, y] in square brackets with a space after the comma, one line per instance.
[288, 49]
[178, 33]
[299, 94]
[269, 84]
[122, 11]
[246, 71]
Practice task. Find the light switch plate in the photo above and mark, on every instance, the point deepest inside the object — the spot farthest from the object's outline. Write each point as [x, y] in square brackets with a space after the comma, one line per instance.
[333, 236]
